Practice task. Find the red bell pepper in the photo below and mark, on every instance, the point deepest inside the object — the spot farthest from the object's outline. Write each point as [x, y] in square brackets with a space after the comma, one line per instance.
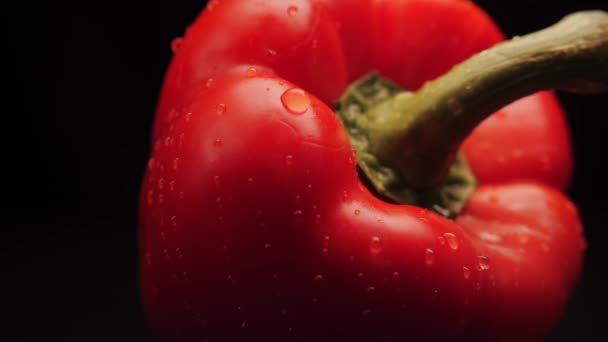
[255, 222]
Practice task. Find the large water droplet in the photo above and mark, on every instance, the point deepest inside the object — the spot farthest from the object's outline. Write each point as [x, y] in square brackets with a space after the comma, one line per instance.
[175, 163]
[210, 83]
[451, 240]
[357, 212]
[429, 257]
[292, 10]
[295, 100]
[483, 263]
[217, 143]
[375, 246]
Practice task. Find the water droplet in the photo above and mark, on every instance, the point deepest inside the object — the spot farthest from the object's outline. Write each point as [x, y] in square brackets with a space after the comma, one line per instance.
[217, 143]
[178, 252]
[371, 290]
[344, 194]
[289, 160]
[220, 109]
[176, 44]
[429, 257]
[161, 198]
[219, 201]
[250, 180]
[244, 324]
[297, 213]
[174, 221]
[210, 83]
[175, 163]
[217, 180]
[267, 245]
[148, 258]
[375, 246]
[452, 240]
[292, 10]
[251, 72]
[172, 185]
[318, 277]
[366, 312]
[295, 100]
[357, 212]
[441, 240]
[360, 274]
[483, 263]
[309, 187]
[466, 272]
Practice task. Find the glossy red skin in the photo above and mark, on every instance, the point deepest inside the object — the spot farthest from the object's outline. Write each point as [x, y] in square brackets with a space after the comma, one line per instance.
[254, 223]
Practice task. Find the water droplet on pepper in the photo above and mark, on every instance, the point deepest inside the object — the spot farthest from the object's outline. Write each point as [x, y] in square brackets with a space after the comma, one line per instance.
[292, 10]
[483, 262]
[429, 257]
[295, 100]
[451, 240]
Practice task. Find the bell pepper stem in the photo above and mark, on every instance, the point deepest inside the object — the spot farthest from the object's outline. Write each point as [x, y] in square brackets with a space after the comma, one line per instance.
[419, 135]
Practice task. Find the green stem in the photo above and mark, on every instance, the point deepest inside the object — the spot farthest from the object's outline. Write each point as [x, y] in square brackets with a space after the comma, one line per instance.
[418, 135]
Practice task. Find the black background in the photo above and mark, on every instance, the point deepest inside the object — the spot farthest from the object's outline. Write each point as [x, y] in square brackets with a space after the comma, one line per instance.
[82, 85]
